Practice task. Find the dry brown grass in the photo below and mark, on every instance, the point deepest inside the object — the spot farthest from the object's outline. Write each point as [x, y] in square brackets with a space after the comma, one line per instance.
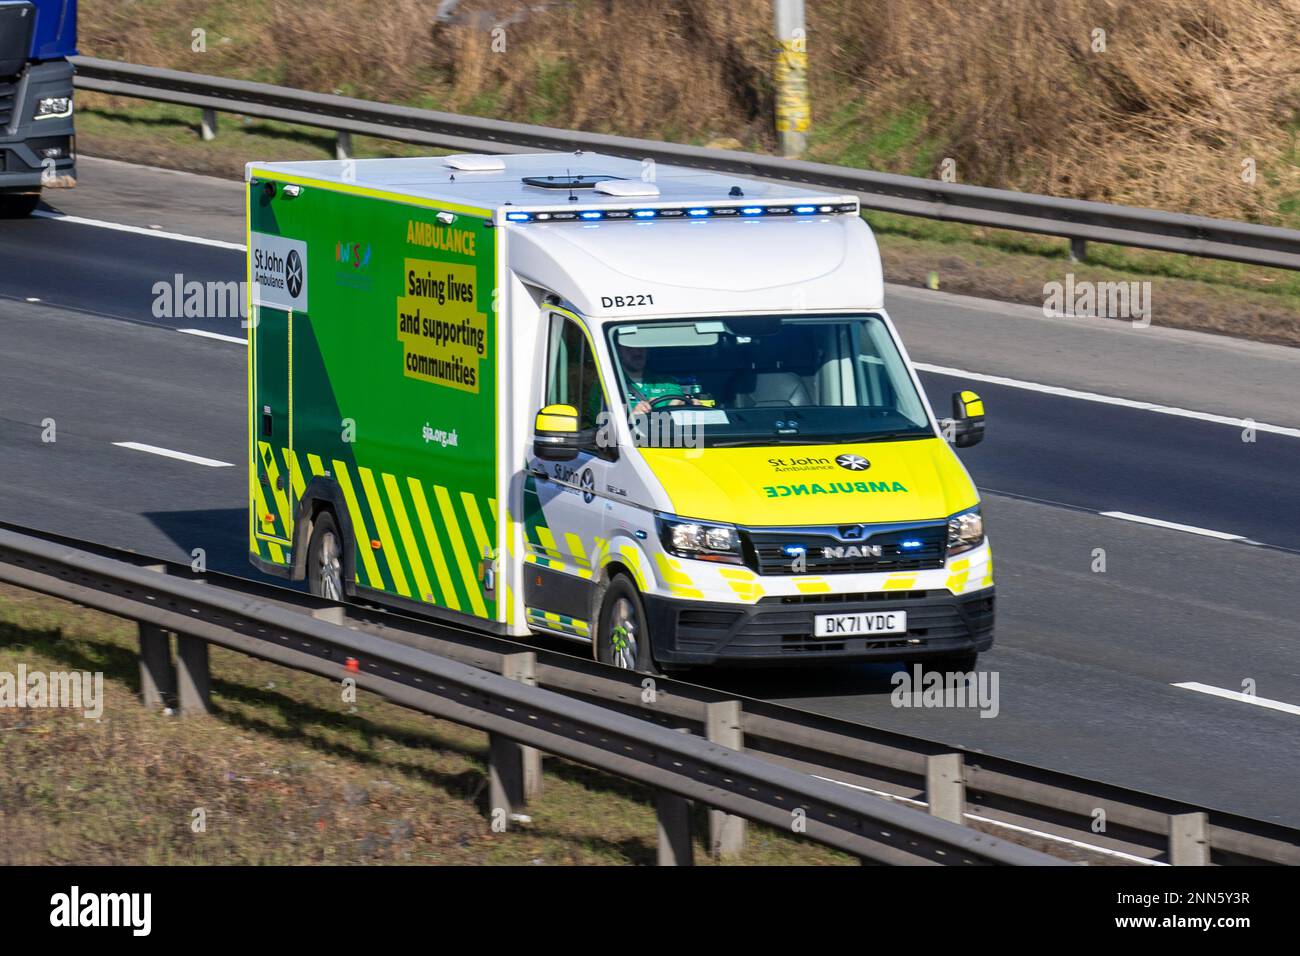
[1010, 89]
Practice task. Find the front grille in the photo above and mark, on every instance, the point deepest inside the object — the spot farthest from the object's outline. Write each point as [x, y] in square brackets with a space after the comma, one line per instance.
[828, 552]
[8, 96]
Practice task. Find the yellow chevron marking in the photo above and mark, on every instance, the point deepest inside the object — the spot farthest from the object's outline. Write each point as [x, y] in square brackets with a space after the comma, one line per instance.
[900, 582]
[577, 549]
[510, 605]
[476, 523]
[988, 572]
[743, 582]
[458, 547]
[277, 493]
[812, 586]
[633, 560]
[449, 597]
[548, 542]
[385, 533]
[678, 581]
[296, 482]
[316, 465]
[359, 529]
[408, 538]
[277, 552]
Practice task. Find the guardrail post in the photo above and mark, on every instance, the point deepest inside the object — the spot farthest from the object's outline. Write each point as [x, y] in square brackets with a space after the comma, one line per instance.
[1078, 250]
[1189, 839]
[208, 125]
[945, 787]
[673, 814]
[157, 676]
[194, 680]
[523, 668]
[343, 145]
[723, 726]
[505, 781]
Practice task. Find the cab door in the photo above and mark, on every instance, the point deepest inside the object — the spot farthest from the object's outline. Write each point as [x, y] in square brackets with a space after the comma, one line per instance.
[565, 502]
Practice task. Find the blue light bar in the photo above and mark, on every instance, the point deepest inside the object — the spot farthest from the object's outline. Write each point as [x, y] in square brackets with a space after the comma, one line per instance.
[675, 212]
[805, 209]
[518, 216]
[752, 211]
[592, 214]
[644, 213]
[697, 212]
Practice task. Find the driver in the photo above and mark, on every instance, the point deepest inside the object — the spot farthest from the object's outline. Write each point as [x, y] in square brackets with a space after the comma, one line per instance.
[646, 390]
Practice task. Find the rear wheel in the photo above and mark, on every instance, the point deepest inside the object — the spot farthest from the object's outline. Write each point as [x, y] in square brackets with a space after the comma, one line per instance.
[325, 559]
[622, 638]
[18, 205]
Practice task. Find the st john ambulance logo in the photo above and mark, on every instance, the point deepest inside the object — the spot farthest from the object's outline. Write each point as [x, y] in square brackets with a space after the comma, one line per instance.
[852, 462]
[293, 273]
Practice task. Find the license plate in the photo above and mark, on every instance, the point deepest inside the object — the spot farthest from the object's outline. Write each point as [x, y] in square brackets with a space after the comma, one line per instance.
[855, 625]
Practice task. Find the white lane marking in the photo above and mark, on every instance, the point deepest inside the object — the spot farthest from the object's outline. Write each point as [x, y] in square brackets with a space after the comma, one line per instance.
[215, 335]
[179, 455]
[1001, 823]
[139, 230]
[1191, 529]
[1238, 695]
[1111, 400]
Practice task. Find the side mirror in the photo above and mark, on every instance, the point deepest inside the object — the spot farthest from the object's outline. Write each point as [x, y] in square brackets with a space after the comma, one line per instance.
[555, 433]
[966, 427]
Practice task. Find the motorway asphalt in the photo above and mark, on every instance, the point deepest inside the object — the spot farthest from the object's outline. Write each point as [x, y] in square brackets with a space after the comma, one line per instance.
[1086, 660]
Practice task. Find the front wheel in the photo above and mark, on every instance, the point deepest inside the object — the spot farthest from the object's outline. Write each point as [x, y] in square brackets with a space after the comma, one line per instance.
[325, 559]
[622, 638]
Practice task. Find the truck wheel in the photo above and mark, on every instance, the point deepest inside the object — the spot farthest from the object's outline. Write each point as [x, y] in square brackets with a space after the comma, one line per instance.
[325, 559]
[622, 638]
[18, 205]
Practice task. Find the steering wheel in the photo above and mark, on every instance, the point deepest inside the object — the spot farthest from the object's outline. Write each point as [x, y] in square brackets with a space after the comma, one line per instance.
[668, 399]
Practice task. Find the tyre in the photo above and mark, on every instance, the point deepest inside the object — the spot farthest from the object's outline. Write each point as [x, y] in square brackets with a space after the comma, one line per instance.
[325, 559]
[622, 637]
[18, 205]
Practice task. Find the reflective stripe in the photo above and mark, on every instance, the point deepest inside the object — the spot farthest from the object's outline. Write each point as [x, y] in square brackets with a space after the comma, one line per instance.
[386, 540]
[408, 538]
[449, 597]
[458, 548]
[359, 529]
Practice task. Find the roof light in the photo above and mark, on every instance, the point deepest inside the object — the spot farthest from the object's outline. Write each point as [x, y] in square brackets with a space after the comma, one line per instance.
[670, 213]
[644, 213]
[751, 211]
[592, 214]
[543, 215]
[617, 214]
[518, 216]
[563, 215]
[697, 212]
[778, 210]
[725, 211]
[805, 209]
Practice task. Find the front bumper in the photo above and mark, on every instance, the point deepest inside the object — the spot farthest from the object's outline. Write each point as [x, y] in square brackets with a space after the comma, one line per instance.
[36, 153]
[779, 629]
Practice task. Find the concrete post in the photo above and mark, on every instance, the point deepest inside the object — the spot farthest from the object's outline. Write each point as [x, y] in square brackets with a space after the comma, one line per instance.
[793, 112]
[945, 787]
[505, 779]
[723, 726]
[673, 814]
[157, 676]
[343, 145]
[523, 668]
[1189, 839]
[193, 679]
[208, 125]
[1078, 250]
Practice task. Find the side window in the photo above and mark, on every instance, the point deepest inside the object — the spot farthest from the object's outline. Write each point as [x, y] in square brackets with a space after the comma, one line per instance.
[571, 377]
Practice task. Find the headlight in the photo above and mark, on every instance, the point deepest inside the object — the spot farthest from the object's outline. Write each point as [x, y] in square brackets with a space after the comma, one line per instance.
[965, 531]
[701, 540]
[49, 107]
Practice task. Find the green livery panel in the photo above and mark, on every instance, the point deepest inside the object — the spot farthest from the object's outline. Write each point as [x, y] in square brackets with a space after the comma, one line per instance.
[373, 386]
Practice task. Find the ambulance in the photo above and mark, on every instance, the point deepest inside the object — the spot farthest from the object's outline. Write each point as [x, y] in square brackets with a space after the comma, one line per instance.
[658, 411]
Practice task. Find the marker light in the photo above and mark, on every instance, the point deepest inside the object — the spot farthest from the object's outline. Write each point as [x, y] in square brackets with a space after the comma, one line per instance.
[910, 543]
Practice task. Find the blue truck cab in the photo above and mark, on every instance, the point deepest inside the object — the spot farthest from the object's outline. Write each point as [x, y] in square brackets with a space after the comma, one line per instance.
[37, 143]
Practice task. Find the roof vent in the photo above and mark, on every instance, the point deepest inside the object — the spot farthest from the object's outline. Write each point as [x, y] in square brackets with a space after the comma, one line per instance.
[626, 188]
[472, 163]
